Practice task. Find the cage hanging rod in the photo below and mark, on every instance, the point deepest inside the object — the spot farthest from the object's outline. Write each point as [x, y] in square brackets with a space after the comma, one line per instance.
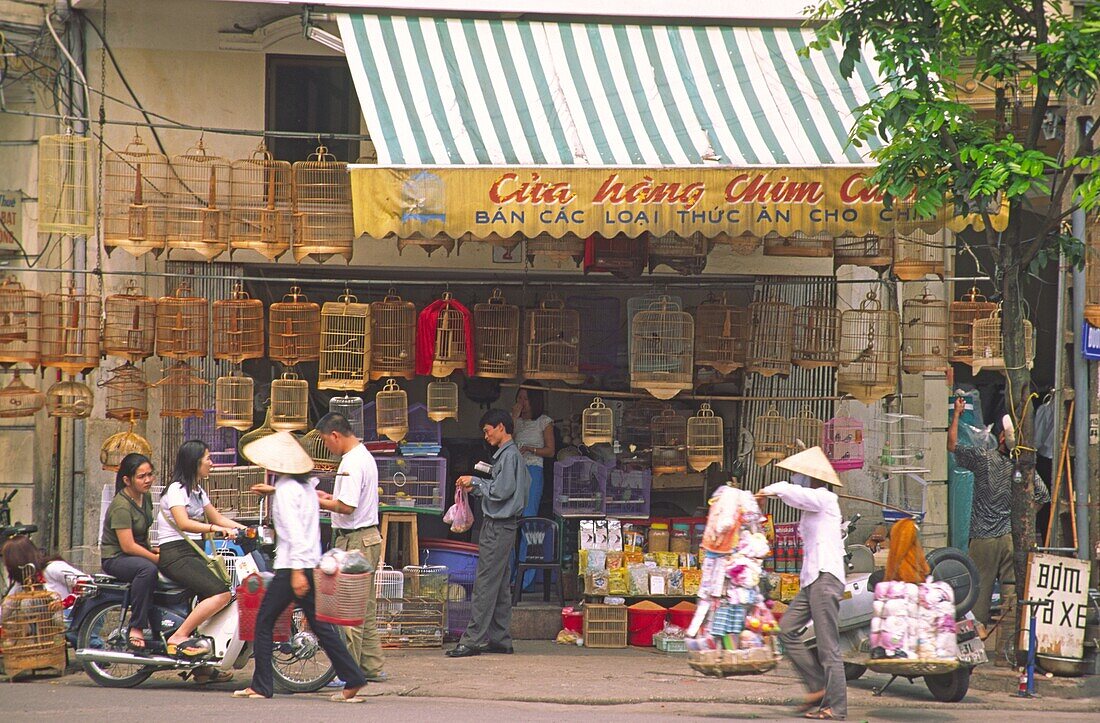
[608, 394]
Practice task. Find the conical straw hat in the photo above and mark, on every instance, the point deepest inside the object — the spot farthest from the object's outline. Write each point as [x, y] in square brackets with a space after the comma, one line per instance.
[812, 463]
[279, 453]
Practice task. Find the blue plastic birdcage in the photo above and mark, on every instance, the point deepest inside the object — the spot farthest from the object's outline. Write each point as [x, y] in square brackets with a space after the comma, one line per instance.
[222, 441]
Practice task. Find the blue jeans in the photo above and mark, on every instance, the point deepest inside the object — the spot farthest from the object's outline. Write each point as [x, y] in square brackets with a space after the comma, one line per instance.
[534, 497]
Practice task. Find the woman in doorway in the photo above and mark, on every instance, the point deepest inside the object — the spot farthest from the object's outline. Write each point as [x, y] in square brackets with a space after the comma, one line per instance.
[534, 435]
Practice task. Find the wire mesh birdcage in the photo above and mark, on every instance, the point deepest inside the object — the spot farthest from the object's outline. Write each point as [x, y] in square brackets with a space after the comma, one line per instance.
[869, 347]
[668, 433]
[260, 204]
[721, 335]
[233, 401]
[964, 312]
[988, 343]
[552, 348]
[869, 249]
[345, 345]
[322, 207]
[65, 175]
[705, 439]
[662, 349]
[34, 627]
[442, 400]
[391, 408]
[628, 493]
[924, 332]
[558, 250]
[580, 487]
[117, 446]
[198, 193]
[294, 329]
[685, 255]
[900, 443]
[597, 424]
[842, 442]
[313, 442]
[289, 403]
[805, 430]
[258, 433]
[815, 335]
[127, 393]
[1092, 269]
[618, 255]
[392, 338]
[772, 438]
[744, 244]
[19, 400]
[496, 334]
[20, 323]
[69, 399]
[238, 327]
[639, 303]
[450, 339]
[130, 324]
[920, 243]
[182, 392]
[134, 196]
[817, 245]
[637, 427]
[183, 325]
[771, 337]
[352, 410]
[71, 331]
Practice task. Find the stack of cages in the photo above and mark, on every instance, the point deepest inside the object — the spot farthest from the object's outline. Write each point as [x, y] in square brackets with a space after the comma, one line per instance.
[418, 483]
[628, 493]
[580, 487]
[419, 618]
[461, 572]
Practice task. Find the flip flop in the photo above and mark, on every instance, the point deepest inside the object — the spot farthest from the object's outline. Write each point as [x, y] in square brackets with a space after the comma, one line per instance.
[216, 676]
[339, 698]
[813, 700]
[247, 693]
[136, 644]
[823, 714]
[200, 646]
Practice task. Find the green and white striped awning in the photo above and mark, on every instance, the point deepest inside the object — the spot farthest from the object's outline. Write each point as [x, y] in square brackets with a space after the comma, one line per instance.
[449, 91]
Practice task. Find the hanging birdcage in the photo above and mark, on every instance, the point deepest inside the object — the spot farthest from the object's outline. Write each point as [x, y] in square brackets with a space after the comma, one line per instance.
[815, 336]
[618, 255]
[117, 446]
[721, 335]
[869, 347]
[392, 338]
[69, 399]
[442, 400]
[552, 349]
[65, 177]
[19, 400]
[686, 255]
[322, 207]
[805, 430]
[34, 627]
[20, 323]
[662, 350]
[668, 433]
[867, 250]
[71, 331]
[964, 312]
[183, 325]
[705, 439]
[258, 433]
[289, 403]
[130, 324]
[920, 244]
[817, 245]
[602, 333]
[744, 244]
[233, 401]
[924, 332]
[135, 196]
[597, 424]
[496, 331]
[182, 392]
[559, 250]
[260, 198]
[842, 442]
[313, 442]
[294, 329]
[127, 394]
[391, 408]
[905, 491]
[988, 343]
[238, 327]
[1092, 269]
[639, 303]
[771, 337]
[450, 339]
[198, 195]
[352, 410]
[772, 439]
[638, 422]
[345, 345]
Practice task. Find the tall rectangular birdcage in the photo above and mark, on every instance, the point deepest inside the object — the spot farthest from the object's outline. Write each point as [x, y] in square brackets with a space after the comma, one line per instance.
[392, 338]
[65, 177]
[412, 482]
[721, 335]
[580, 487]
[628, 493]
[260, 204]
[552, 342]
[198, 203]
[322, 208]
[345, 345]
[496, 334]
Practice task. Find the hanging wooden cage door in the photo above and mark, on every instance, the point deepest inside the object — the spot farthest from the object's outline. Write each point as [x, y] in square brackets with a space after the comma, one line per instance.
[345, 345]
[496, 331]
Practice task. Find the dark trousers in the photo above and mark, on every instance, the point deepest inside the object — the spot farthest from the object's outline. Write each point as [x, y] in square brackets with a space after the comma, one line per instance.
[491, 615]
[279, 594]
[819, 601]
[142, 576]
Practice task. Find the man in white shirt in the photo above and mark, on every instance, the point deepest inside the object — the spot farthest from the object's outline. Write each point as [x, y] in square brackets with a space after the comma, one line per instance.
[822, 582]
[354, 507]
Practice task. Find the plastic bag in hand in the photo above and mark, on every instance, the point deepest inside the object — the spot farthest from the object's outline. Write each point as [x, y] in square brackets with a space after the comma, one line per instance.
[460, 516]
[354, 563]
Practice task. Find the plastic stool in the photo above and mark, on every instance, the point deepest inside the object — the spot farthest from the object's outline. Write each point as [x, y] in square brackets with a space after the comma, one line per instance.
[410, 548]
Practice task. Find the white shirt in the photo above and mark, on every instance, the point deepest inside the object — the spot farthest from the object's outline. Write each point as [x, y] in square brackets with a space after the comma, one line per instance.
[59, 577]
[296, 512]
[822, 545]
[176, 496]
[356, 486]
[531, 433]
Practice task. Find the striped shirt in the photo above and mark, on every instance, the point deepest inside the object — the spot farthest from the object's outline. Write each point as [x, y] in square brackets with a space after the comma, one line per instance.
[990, 514]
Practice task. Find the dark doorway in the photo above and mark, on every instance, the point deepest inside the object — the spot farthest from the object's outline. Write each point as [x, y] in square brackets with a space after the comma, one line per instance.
[313, 95]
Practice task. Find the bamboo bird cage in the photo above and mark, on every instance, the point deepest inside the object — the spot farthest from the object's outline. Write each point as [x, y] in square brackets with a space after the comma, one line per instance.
[259, 432]
[135, 196]
[597, 424]
[988, 344]
[322, 208]
[117, 446]
[183, 325]
[352, 410]
[130, 324]
[294, 329]
[842, 442]
[640, 303]
[686, 255]
[69, 399]
[668, 433]
[619, 255]
[772, 439]
[289, 403]
[815, 335]
[450, 339]
[127, 395]
[638, 421]
[920, 244]
[198, 195]
[869, 347]
[771, 337]
[20, 322]
[744, 244]
[345, 345]
[71, 331]
[805, 429]
[238, 327]
[1092, 269]
[260, 204]
[496, 334]
[662, 350]
[19, 400]
[65, 177]
[233, 401]
[442, 400]
[964, 312]
[800, 244]
[924, 334]
[552, 348]
[705, 439]
[391, 408]
[721, 335]
[313, 442]
[392, 338]
[558, 250]
[869, 249]
[34, 627]
[182, 392]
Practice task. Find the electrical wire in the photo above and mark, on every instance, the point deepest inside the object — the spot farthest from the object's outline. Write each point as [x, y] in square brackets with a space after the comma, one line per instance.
[73, 63]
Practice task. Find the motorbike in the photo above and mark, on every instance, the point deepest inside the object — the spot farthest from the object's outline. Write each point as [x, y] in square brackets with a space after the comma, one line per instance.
[100, 630]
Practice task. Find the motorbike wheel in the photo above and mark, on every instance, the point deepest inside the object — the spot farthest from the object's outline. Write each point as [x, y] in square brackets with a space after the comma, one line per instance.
[953, 566]
[104, 628]
[949, 687]
[854, 671]
[301, 665]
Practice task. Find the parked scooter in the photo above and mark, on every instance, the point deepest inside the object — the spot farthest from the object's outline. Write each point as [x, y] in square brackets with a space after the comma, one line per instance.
[101, 621]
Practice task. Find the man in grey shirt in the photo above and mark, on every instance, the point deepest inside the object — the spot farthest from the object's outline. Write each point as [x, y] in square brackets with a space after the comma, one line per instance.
[503, 497]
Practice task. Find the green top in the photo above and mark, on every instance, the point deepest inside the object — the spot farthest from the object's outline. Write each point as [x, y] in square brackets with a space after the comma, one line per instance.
[124, 514]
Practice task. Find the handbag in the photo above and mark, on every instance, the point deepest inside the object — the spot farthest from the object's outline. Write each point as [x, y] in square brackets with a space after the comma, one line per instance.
[214, 564]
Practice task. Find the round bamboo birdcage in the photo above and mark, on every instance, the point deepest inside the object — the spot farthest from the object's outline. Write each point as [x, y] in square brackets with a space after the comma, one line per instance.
[69, 399]
[233, 401]
[66, 173]
[450, 339]
[313, 442]
[869, 249]
[289, 403]
[259, 432]
[352, 410]
[558, 250]
[772, 439]
[294, 329]
[553, 342]
[20, 322]
[815, 335]
[322, 208]
[597, 424]
[705, 439]
[686, 255]
[964, 312]
[238, 327]
[798, 244]
[920, 244]
[345, 345]
[71, 331]
[869, 350]
[392, 338]
[805, 430]
[988, 343]
[744, 244]
[391, 408]
[198, 195]
[260, 204]
[134, 194]
[127, 394]
[1092, 269]
[924, 334]
[721, 335]
[496, 334]
[668, 433]
[183, 325]
[182, 392]
[442, 400]
[117, 446]
[34, 627]
[842, 442]
[771, 337]
[130, 324]
[19, 400]
[662, 349]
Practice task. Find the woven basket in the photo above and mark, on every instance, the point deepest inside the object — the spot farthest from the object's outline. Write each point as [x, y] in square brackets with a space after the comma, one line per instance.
[911, 666]
[708, 663]
[342, 598]
[250, 595]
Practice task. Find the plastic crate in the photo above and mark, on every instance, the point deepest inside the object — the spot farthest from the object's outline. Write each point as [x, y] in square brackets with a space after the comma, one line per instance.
[580, 487]
[412, 482]
[605, 626]
[669, 645]
[422, 430]
[628, 493]
[222, 441]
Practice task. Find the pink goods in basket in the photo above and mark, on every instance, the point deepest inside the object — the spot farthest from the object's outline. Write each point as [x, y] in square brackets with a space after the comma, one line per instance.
[341, 597]
[460, 516]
